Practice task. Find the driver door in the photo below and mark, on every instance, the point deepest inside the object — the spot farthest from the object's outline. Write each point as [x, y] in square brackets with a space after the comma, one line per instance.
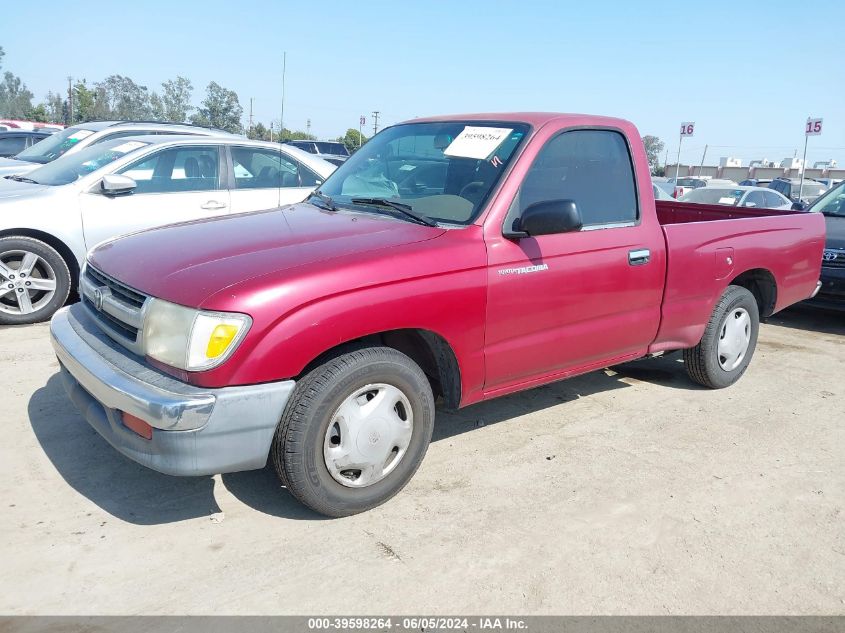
[176, 184]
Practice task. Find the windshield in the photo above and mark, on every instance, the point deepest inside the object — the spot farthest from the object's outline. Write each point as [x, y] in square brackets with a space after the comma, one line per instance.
[54, 146]
[332, 148]
[72, 168]
[443, 171]
[709, 195]
[831, 203]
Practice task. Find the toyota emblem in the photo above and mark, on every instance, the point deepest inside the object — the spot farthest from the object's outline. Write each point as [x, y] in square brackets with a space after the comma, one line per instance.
[829, 256]
[98, 299]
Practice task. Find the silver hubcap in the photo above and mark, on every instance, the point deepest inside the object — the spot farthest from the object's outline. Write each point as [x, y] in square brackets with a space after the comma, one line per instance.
[734, 339]
[368, 435]
[27, 282]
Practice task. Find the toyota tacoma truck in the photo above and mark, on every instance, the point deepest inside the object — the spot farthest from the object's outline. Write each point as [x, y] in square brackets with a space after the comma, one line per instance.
[460, 258]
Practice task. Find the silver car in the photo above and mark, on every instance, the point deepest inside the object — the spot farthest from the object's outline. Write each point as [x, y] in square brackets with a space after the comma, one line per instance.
[738, 196]
[50, 217]
[77, 137]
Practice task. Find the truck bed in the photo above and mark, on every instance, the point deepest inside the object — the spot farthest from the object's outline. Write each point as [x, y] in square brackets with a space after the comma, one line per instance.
[709, 246]
[673, 212]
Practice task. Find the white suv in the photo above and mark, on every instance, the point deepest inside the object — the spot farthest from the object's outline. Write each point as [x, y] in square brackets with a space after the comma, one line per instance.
[77, 137]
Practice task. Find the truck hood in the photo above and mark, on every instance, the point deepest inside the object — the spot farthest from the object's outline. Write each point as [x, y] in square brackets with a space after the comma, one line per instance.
[187, 263]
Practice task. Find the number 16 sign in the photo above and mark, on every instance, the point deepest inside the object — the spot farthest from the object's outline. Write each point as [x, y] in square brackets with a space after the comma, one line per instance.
[687, 129]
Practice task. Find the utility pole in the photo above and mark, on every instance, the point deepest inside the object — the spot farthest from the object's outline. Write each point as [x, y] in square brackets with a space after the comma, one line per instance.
[308, 127]
[250, 117]
[362, 121]
[701, 167]
[282, 119]
[69, 101]
[375, 122]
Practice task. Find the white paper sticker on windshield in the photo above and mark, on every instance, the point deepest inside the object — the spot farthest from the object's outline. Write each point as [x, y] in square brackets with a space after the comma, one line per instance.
[128, 146]
[81, 134]
[477, 142]
[727, 200]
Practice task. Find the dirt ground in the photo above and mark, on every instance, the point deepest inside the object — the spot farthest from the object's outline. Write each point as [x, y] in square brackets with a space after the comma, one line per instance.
[622, 492]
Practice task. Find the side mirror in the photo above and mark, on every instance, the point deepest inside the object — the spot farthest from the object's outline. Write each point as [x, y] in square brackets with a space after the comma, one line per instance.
[549, 217]
[117, 184]
[750, 204]
[799, 206]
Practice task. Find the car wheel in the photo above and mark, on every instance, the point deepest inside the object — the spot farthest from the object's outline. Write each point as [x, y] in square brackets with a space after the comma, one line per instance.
[34, 281]
[354, 431]
[728, 343]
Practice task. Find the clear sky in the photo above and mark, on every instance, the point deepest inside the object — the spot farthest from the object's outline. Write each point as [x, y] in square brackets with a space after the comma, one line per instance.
[748, 73]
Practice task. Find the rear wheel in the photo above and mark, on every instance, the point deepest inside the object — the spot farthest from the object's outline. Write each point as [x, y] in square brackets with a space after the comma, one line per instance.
[728, 343]
[34, 281]
[355, 431]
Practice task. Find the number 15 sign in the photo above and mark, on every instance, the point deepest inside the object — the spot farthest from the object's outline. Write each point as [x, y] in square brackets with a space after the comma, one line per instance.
[813, 127]
[687, 129]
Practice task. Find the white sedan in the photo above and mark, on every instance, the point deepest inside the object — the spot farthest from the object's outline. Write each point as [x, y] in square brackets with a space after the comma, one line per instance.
[738, 196]
[52, 216]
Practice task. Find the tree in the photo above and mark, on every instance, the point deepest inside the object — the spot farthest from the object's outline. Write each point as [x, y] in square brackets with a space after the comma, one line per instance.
[259, 132]
[176, 99]
[55, 107]
[123, 98]
[15, 97]
[352, 140]
[220, 109]
[157, 110]
[84, 103]
[653, 147]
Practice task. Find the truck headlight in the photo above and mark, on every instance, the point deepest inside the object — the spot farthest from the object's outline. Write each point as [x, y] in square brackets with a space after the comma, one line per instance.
[190, 339]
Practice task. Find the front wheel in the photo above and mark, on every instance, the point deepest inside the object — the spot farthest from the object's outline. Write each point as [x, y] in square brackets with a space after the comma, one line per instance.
[355, 430]
[34, 281]
[729, 340]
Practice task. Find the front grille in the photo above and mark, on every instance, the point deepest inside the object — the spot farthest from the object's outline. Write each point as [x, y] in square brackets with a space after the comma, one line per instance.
[833, 258]
[117, 308]
[118, 289]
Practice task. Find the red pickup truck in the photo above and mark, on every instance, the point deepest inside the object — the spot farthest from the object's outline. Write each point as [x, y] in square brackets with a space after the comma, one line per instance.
[460, 257]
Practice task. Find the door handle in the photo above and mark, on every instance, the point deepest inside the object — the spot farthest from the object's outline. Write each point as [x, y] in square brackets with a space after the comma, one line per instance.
[213, 205]
[639, 257]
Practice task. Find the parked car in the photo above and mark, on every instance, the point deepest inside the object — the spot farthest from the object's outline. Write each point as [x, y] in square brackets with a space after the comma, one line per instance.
[832, 206]
[78, 137]
[755, 182]
[738, 196]
[829, 182]
[660, 194]
[333, 151]
[15, 141]
[789, 187]
[685, 185]
[51, 216]
[318, 335]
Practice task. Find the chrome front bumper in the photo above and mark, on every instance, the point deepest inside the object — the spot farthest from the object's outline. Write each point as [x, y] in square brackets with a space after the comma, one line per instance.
[196, 431]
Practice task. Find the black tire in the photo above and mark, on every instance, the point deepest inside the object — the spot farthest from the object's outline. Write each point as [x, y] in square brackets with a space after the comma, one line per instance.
[297, 449]
[702, 361]
[59, 267]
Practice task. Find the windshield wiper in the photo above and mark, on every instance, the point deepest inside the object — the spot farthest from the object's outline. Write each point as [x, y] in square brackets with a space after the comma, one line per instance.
[405, 209]
[22, 179]
[330, 205]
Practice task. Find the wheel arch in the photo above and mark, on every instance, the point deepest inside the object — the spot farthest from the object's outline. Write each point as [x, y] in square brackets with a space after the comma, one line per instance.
[431, 351]
[761, 283]
[51, 240]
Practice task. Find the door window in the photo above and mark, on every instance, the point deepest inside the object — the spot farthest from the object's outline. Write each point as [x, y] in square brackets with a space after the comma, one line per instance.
[11, 145]
[258, 168]
[773, 200]
[591, 167]
[754, 199]
[177, 169]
